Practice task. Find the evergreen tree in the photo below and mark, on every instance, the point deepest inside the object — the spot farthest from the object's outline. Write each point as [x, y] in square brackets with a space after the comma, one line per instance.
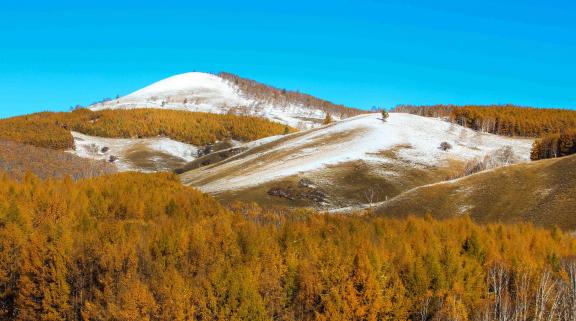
[384, 114]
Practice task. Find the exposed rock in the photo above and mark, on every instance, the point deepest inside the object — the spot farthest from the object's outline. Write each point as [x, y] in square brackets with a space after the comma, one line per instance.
[205, 151]
[306, 183]
[444, 146]
[280, 192]
[316, 196]
[305, 191]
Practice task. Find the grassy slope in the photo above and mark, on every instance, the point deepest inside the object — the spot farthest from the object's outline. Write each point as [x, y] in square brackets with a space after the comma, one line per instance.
[346, 183]
[542, 192]
[17, 159]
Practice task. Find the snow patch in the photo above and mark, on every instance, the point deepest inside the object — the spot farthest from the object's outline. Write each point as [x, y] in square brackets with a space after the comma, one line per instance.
[358, 138]
[202, 92]
[103, 148]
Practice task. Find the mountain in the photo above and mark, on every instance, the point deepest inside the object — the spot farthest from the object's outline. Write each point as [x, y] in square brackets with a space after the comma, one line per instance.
[228, 93]
[353, 162]
[541, 192]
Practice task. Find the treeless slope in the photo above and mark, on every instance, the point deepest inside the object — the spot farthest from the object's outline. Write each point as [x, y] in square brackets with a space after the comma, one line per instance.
[17, 159]
[350, 159]
[542, 192]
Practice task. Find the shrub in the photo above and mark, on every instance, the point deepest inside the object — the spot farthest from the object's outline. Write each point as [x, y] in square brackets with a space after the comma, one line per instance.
[444, 146]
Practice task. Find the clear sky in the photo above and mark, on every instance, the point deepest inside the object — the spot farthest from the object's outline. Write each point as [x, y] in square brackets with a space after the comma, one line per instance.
[56, 54]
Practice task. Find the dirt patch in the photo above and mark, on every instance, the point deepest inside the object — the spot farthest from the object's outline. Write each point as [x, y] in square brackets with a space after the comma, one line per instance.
[305, 189]
[141, 157]
[261, 194]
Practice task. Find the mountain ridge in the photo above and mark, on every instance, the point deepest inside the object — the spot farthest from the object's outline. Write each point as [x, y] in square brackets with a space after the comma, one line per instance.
[227, 93]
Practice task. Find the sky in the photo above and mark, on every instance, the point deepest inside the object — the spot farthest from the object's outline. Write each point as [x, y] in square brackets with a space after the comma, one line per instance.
[363, 53]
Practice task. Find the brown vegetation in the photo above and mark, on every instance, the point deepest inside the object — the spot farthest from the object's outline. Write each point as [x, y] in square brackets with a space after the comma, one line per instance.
[18, 159]
[542, 193]
[52, 130]
[507, 120]
[144, 247]
[40, 129]
[554, 145]
[276, 96]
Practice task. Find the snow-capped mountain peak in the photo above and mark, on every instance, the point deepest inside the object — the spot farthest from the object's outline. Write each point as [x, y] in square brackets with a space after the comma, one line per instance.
[198, 91]
[186, 83]
[194, 91]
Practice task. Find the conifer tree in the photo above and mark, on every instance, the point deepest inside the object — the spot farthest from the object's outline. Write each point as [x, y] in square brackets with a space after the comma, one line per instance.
[385, 115]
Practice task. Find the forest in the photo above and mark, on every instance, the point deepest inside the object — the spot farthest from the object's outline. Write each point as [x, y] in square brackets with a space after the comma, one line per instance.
[507, 120]
[555, 145]
[144, 247]
[284, 97]
[554, 128]
[52, 130]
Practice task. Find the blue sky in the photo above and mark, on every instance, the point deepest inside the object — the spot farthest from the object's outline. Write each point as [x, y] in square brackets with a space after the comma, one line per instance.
[57, 54]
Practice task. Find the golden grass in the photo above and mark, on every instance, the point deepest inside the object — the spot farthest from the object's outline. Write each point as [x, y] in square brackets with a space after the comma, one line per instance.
[543, 193]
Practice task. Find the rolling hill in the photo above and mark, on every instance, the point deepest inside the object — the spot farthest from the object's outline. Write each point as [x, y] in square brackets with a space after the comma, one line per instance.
[227, 93]
[357, 161]
[542, 192]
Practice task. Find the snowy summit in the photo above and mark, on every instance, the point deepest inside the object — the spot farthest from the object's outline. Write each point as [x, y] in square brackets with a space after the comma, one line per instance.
[204, 92]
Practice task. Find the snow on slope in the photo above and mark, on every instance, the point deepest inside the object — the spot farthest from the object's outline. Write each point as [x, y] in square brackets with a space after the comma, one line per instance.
[196, 91]
[357, 138]
[190, 91]
[159, 153]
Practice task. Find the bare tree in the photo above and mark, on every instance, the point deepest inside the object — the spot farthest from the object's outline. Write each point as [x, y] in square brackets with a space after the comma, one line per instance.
[522, 283]
[498, 279]
[546, 298]
[372, 195]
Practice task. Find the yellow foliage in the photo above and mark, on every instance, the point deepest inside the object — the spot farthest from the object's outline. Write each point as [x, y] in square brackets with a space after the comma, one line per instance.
[52, 130]
[144, 247]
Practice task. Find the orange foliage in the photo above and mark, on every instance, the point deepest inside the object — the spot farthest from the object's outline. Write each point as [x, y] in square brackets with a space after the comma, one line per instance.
[143, 247]
[505, 120]
[555, 145]
[52, 130]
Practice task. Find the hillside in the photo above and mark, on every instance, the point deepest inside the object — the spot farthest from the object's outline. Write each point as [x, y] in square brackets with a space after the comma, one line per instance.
[226, 93]
[542, 192]
[132, 246]
[355, 161]
[508, 120]
[137, 139]
[18, 159]
[53, 130]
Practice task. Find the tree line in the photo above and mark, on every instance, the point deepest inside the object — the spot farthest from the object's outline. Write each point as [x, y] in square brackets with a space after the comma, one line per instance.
[555, 128]
[52, 130]
[507, 120]
[143, 247]
[554, 145]
[285, 97]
